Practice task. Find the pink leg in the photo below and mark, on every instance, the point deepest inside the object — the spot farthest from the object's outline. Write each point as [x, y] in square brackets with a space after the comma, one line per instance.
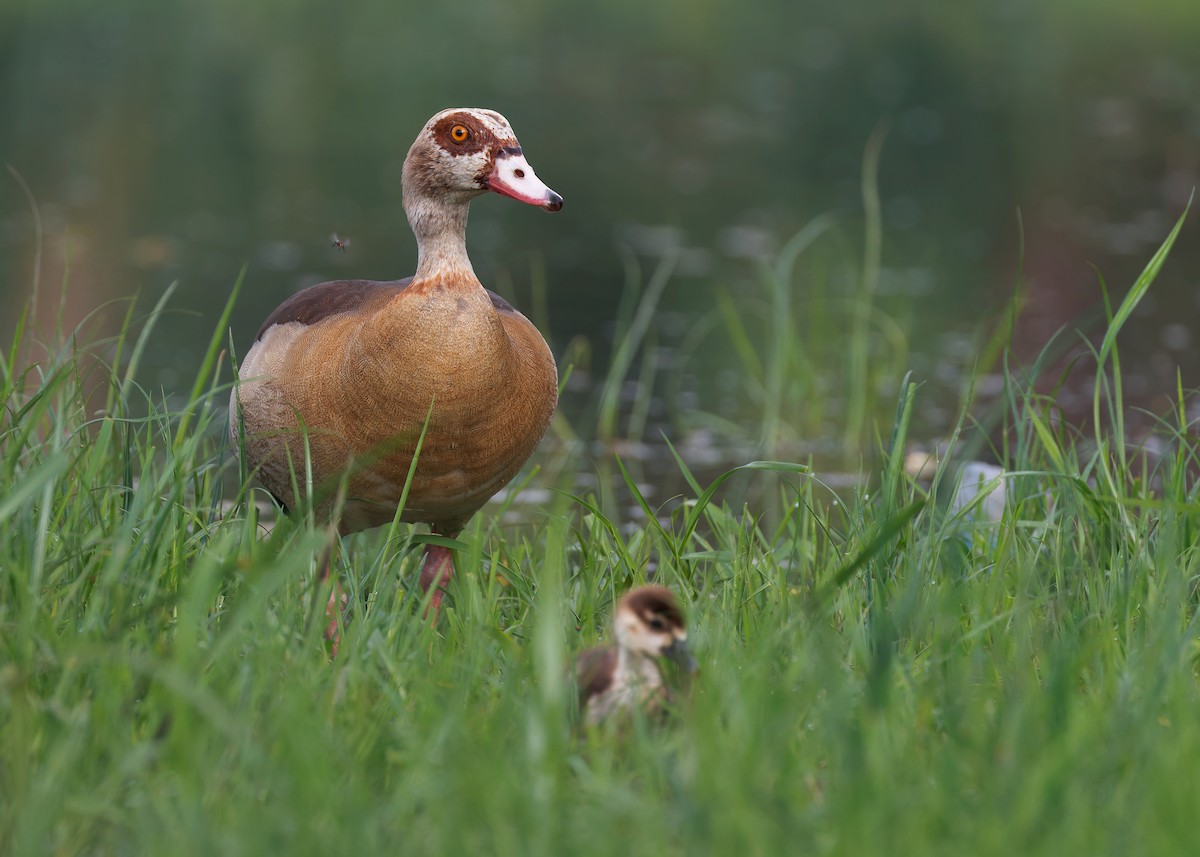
[335, 608]
[436, 571]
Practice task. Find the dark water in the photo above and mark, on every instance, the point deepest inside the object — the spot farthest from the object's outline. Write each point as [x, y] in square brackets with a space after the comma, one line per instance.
[176, 140]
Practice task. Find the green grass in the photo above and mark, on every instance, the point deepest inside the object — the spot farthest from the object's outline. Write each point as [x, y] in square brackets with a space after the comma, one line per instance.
[879, 676]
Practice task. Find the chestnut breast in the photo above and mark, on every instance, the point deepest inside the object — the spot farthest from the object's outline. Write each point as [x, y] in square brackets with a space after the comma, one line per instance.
[364, 381]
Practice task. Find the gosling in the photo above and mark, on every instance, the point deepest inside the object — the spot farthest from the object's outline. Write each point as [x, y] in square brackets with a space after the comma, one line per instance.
[627, 676]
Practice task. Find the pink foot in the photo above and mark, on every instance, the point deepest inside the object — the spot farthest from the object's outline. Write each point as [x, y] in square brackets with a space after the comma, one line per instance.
[337, 609]
[436, 572]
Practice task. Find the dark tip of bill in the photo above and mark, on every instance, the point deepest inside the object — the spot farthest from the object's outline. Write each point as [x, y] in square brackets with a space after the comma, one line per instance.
[553, 202]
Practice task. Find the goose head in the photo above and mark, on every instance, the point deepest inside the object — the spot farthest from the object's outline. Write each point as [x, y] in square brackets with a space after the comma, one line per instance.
[464, 152]
[649, 623]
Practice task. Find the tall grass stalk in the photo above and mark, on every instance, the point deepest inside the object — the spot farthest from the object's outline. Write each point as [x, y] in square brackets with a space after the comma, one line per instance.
[858, 381]
[634, 321]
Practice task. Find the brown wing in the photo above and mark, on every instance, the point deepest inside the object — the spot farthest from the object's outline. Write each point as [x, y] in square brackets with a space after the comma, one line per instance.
[327, 299]
[594, 671]
[337, 296]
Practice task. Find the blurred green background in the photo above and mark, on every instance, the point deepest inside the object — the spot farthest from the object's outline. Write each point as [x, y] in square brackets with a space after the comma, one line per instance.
[180, 140]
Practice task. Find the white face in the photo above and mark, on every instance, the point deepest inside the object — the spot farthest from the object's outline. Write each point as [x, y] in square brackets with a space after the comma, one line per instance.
[650, 636]
[466, 151]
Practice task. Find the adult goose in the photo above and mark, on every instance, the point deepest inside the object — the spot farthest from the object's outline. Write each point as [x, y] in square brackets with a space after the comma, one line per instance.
[344, 377]
[648, 626]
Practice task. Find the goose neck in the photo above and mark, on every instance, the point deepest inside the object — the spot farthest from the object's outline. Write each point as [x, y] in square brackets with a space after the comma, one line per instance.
[440, 227]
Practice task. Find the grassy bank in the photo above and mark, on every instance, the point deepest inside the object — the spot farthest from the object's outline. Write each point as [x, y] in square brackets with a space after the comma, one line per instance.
[879, 675]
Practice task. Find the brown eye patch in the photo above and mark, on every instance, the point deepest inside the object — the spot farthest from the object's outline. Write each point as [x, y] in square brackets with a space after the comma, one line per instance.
[462, 134]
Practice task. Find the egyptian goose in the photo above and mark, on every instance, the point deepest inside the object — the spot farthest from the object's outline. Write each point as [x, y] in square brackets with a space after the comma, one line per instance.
[626, 676]
[354, 370]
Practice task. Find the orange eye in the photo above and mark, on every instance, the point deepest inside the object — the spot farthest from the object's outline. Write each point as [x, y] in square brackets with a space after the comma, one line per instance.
[459, 133]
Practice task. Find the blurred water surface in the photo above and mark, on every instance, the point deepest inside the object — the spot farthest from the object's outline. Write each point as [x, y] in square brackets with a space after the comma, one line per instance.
[176, 140]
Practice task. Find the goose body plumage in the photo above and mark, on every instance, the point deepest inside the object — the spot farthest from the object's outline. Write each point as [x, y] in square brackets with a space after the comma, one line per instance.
[344, 377]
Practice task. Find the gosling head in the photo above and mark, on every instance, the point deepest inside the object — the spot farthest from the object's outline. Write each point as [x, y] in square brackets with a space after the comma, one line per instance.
[649, 623]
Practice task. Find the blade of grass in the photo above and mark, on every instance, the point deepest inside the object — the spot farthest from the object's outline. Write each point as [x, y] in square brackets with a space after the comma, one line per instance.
[210, 357]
